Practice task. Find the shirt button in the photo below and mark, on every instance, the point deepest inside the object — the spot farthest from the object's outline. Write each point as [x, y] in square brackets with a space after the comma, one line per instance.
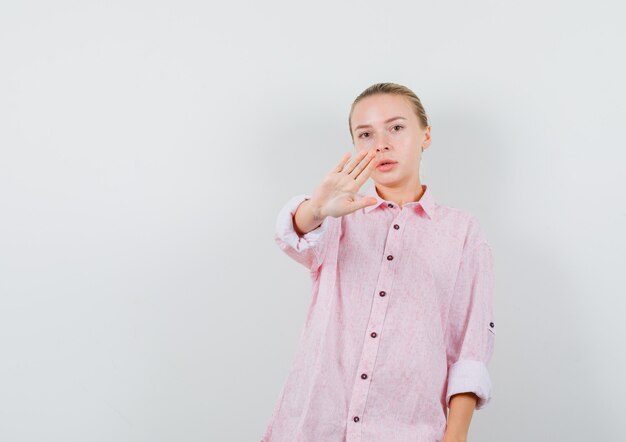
[363, 376]
[491, 324]
[382, 293]
[389, 258]
[355, 418]
[395, 226]
[373, 335]
[390, 205]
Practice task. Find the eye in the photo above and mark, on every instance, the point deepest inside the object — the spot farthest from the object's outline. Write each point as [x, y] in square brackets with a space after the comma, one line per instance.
[398, 125]
[363, 134]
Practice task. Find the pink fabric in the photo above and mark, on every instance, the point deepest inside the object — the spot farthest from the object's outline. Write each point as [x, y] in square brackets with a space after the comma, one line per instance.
[401, 318]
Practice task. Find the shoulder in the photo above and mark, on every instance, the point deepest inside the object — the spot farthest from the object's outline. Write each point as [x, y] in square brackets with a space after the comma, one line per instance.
[463, 223]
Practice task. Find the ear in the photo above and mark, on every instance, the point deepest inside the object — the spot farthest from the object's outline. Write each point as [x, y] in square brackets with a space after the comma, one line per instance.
[427, 139]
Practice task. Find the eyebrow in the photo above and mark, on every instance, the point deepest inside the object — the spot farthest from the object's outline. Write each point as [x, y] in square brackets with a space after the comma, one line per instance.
[388, 121]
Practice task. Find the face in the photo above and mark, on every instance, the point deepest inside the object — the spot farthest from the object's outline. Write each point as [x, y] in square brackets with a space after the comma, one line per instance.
[375, 126]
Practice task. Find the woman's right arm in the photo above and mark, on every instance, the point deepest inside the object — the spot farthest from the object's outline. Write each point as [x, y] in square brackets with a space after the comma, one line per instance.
[302, 223]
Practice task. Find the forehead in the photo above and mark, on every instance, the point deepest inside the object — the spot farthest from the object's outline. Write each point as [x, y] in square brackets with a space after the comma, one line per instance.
[378, 108]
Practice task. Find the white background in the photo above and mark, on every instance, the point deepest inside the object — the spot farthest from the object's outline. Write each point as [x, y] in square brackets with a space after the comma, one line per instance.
[146, 148]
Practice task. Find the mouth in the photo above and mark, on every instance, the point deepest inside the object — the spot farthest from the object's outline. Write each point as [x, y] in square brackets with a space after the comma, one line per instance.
[385, 165]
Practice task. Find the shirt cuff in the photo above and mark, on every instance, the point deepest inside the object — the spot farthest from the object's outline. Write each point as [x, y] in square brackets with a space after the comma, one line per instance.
[469, 376]
[286, 232]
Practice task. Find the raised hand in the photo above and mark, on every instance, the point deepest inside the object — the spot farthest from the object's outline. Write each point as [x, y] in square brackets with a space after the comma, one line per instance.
[336, 194]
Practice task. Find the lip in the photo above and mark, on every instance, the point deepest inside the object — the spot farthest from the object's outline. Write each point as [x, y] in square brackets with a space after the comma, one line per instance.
[387, 166]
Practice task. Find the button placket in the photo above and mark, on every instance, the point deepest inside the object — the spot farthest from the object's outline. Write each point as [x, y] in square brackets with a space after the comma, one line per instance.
[369, 351]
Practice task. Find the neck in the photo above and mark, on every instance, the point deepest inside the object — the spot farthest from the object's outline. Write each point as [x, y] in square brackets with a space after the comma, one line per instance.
[401, 195]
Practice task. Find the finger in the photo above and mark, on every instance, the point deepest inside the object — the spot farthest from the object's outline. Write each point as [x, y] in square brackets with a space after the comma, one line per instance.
[364, 202]
[363, 161]
[354, 161]
[365, 174]
[366, 161]
[339, 167]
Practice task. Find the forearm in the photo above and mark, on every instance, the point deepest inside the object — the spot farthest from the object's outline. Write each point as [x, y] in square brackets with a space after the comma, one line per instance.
[462, 407]
[307, 217]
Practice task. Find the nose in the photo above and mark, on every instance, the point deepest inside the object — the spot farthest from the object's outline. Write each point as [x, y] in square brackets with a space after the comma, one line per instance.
[382, 144]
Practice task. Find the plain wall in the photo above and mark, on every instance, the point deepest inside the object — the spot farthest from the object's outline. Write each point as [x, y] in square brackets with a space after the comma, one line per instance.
[146, 148]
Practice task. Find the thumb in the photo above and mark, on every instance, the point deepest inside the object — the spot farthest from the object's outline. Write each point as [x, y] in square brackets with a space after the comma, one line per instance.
[364, 202]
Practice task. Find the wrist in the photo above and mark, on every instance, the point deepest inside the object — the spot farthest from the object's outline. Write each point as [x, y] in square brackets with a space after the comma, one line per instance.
[317, 210]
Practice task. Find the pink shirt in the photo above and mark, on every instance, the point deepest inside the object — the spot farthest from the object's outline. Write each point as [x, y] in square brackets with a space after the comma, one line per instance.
[401, 318]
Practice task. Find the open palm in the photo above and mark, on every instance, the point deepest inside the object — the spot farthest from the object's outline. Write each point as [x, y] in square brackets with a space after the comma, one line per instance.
[337, 193]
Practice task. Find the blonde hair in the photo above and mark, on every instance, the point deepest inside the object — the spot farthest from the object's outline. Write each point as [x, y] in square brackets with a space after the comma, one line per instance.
[396, 89]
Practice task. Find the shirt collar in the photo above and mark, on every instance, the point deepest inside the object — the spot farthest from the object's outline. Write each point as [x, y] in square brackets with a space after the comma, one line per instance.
[426, 202]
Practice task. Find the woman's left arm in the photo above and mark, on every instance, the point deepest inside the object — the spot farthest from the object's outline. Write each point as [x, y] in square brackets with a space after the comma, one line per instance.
[470, 335]
[459, 417]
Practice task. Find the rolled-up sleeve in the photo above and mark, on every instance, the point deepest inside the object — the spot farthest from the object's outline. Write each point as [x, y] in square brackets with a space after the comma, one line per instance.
[471, 328]
[310, 248]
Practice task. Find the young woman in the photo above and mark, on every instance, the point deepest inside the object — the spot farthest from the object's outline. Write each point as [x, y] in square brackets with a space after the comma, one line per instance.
[400, 327]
